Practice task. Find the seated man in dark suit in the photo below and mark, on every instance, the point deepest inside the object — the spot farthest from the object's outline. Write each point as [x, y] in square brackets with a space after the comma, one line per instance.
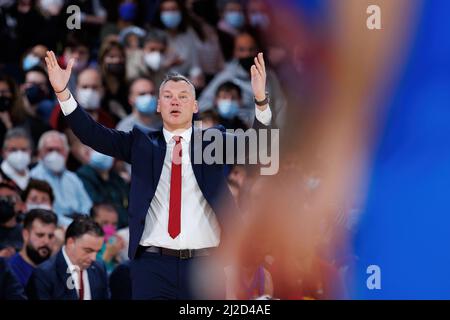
[176, 210]
[73, 273]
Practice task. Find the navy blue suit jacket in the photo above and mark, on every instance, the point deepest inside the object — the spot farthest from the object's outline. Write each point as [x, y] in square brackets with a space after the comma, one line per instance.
[49, 281]
[145, 150]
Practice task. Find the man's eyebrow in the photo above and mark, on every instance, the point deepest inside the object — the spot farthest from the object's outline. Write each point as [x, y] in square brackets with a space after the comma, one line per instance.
[168, 91]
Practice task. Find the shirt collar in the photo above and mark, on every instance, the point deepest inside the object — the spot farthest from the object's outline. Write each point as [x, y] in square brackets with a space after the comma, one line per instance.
[11, 172]
[71, 266]
[186, 135]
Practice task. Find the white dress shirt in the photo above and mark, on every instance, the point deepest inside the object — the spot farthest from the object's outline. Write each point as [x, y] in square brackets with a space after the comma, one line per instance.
[74, 271]
[199, 225]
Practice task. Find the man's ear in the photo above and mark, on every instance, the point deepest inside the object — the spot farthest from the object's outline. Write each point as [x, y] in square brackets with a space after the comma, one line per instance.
[195, 106]
[69, 243]
[25, 235]
[158, 107]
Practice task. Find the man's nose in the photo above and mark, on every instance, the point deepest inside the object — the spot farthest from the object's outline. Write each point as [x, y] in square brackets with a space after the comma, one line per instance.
[174, 101]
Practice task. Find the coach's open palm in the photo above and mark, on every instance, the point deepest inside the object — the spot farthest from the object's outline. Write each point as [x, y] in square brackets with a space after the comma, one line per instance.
[258, 73]
[58, 77]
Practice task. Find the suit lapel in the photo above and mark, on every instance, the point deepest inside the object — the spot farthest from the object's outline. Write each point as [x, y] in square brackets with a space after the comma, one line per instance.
[92, 281]
[158, 158]
[64, 273]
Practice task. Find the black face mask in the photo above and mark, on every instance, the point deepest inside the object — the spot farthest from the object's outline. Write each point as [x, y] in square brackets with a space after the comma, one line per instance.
[35, 256]
[5, 103]
[35, 94]
[6, 210]
[246, 63]
[117, 69]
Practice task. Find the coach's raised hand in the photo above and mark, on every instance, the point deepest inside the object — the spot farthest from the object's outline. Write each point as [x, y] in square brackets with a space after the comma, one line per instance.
[58, 77]
[258, 74]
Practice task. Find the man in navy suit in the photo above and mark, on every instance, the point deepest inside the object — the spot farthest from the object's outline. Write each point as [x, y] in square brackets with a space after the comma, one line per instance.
[176, 211]
[73, 273]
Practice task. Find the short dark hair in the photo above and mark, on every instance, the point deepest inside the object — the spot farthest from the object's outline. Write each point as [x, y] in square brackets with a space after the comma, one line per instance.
[46, 216]
[82, 225]
[39, 185]
[97, 206]
[40, 70]
[229, 86]
[176, 77]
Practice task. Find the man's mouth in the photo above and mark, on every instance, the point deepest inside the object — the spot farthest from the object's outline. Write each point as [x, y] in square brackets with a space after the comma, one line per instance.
[175, 112]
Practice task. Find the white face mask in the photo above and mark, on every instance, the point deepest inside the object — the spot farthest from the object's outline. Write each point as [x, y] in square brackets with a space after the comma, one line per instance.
[19, 160]
[54, 162]
[153, 60]
[31, 206]
[88, 98]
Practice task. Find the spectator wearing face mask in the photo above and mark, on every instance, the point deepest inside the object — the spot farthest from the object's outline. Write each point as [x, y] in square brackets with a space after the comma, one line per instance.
[70, 195]
[38, 233]
[34, 57]
[104, 185]
[238, 71]
[12, 110]
[77, 48]
[10, 229]
[144, 100]
[228, 105]
[173, 19]
[106, 216]
[89, 93]
[38, 100]
[232, 22]
[17, 155]
[152, 60]
[38, 195]
[113, 71]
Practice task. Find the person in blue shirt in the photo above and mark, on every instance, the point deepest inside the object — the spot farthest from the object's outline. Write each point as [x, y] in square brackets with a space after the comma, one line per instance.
[70, 194]
[38, 234]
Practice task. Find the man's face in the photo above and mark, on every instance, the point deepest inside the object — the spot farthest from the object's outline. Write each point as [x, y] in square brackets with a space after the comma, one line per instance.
[244, 46]
[90, 79]
[83, 250]
[14, 197]
[177, 105]
[16, 144]
[53, 143]
[80, 54]
[139, 88]
[153, 46]
[39, 240]
[105, 217]
[232, 95]
[36, 78]
[38, 197]
[5, 91]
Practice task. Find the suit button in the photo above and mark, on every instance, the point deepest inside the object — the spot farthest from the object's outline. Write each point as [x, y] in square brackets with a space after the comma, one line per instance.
[143, 222]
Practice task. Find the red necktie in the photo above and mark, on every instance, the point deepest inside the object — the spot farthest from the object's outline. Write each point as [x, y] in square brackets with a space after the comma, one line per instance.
[175, 190]
[81, 291]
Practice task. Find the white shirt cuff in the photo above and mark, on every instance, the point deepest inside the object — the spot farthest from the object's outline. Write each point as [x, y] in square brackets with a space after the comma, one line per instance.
[68, 106]
[263, 116]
